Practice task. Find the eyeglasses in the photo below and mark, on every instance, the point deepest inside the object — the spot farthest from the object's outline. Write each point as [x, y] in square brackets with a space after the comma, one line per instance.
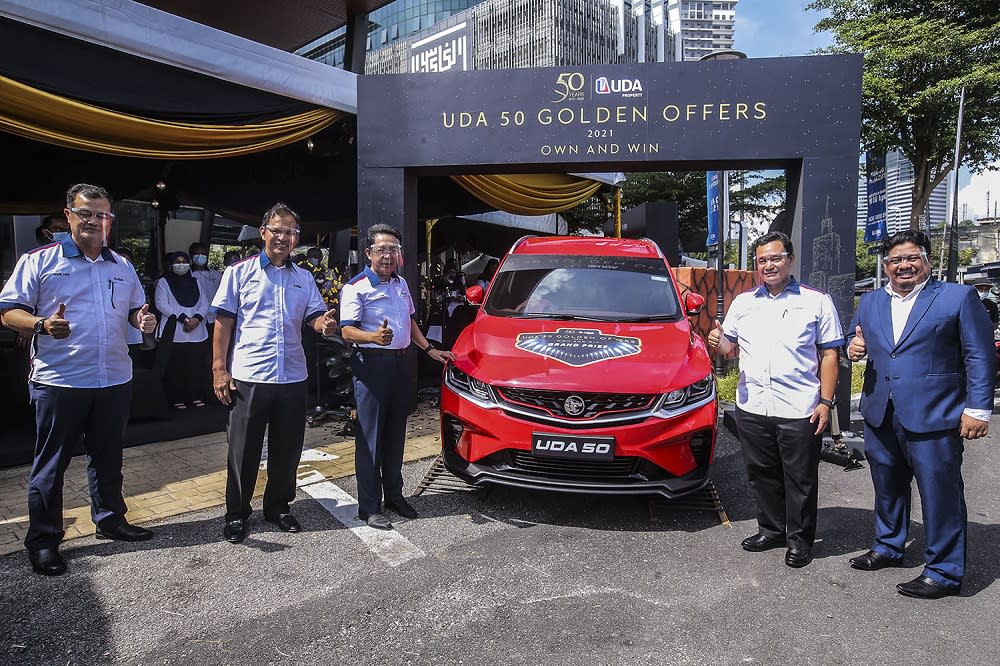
[386, 250]
[282, 232]
[773, 259]
[910, 259]
[87, 215]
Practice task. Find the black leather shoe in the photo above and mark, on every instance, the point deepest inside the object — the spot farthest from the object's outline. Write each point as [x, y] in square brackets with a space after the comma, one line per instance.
[286, 522]
[124, 532]
[873, 561]
[235, 531]
[923, 587]
[402, 507]
[761, 542]
[797, 558]
[47, 561]
[376, 520]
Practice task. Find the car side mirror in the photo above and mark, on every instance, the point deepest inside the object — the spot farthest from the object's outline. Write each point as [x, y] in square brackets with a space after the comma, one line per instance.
[693, 303]
[474, 295]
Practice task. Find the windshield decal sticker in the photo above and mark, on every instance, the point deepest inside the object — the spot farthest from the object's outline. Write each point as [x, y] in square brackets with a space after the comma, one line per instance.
[578, 346]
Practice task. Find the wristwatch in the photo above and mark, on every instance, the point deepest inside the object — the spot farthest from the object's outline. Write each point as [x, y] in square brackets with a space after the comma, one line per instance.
[428, 348]
[39, 327]
[828, 403]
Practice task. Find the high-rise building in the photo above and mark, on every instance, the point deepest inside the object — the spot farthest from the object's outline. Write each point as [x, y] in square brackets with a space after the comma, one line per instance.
[898, 201]
[417, 35]
[704, 26]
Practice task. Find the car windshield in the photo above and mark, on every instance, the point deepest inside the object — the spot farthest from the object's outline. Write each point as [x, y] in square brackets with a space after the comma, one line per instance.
[595, 288]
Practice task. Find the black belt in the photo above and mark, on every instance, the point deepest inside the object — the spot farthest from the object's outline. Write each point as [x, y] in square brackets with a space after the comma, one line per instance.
[379, 351]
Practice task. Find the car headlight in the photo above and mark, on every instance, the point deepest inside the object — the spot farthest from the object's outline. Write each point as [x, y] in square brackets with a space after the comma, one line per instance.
[464, 383]
[696, 392]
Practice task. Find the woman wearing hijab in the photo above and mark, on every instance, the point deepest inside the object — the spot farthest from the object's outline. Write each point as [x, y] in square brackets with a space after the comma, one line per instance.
[178, 296]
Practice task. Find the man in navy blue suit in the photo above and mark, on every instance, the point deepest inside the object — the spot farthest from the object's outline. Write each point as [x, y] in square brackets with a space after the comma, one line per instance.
[928, 385]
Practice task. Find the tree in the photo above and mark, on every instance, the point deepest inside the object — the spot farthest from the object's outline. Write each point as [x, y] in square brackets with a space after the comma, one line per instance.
[918, 54]
[864, 262]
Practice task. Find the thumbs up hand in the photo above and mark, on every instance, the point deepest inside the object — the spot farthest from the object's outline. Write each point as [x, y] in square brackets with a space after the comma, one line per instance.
[57, 325]
[857, 349]
[328, 323]
[145, 320]
[383, 334]
[717, 342]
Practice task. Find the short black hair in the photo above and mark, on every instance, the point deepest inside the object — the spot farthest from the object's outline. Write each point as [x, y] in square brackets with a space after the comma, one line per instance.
[87, 191]
[195, 244]
[905, 236]
[277, 210]
[377, 229]
[770, 238]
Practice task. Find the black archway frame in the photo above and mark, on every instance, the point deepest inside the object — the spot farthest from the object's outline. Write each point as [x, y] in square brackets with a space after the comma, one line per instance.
[801, 115]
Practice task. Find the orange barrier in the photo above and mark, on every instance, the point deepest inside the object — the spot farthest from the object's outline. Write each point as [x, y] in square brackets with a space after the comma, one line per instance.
[703, 281]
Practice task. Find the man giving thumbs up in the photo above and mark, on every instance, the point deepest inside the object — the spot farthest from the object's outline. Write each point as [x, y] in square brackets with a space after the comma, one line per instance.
[73, 295]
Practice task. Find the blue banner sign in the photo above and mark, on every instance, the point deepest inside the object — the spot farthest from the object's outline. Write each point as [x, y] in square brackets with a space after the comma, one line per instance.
[875, 229]
[713, 178]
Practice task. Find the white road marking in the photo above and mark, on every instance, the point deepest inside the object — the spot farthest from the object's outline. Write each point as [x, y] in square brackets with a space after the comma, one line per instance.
[391, 546]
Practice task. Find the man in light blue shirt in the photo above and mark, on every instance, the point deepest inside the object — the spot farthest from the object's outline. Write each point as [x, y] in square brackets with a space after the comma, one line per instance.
[78, 299]
[788, 336]
[260, 308]
[376, 313]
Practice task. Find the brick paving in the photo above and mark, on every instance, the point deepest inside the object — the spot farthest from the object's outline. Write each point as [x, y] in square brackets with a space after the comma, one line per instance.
[171, 478]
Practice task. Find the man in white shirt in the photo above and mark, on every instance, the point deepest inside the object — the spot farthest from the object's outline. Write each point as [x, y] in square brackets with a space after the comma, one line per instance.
[789, 338]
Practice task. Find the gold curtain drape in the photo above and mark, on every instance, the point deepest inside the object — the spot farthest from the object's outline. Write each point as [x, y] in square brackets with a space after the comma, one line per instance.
[41, 116]
[530, 194]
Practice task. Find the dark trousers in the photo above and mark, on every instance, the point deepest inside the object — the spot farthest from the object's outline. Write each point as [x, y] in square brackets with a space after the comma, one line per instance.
[185, 377]
[385, 393]
[62, 417]
[281, 409]
[895, 457]
[782, 462]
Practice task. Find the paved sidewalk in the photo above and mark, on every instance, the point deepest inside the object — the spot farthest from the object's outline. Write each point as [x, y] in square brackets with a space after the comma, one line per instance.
[171, 478]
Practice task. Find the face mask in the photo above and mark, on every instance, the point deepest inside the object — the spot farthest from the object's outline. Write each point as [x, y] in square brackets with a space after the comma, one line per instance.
[59, 236]
[200, 259]
[314, 261]
[983, 295]
[181, 269]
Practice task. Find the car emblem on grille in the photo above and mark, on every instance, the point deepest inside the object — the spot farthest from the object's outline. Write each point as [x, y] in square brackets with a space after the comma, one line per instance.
[574, 405]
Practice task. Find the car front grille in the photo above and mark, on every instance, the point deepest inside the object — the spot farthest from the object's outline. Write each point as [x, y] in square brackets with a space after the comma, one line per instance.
[596, 405]
[600, 470]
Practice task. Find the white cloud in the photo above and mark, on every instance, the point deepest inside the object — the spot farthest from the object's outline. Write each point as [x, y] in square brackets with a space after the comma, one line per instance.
[974, 194]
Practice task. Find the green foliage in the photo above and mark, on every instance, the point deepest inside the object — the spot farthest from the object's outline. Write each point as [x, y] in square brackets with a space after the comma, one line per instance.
[864, 263]
[726, 385]
[918, 54]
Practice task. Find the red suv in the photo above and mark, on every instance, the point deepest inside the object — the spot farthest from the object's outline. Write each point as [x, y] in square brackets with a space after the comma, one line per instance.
[581, 373]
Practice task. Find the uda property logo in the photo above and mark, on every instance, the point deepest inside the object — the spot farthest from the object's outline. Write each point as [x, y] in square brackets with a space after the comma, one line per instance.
[625, 87]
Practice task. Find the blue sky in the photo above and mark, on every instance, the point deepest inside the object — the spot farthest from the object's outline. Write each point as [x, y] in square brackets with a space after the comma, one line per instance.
[774, 28]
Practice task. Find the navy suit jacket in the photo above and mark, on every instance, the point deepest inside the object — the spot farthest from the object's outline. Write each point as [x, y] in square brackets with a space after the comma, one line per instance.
[944, 360]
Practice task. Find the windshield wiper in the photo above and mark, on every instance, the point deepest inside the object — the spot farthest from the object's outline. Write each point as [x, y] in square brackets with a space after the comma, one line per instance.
[556, 315]
[642, 320]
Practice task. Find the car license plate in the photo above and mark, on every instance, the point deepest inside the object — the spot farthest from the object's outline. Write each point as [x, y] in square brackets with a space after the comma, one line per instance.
[575, 447]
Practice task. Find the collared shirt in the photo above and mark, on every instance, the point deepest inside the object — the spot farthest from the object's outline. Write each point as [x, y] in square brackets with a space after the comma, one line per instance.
[366, 302]
[98, 294]
[270, 305]
[780, 338]
[900, 307]
[209, 280]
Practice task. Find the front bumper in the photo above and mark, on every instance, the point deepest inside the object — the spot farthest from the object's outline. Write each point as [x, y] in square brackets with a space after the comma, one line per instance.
[670, 457]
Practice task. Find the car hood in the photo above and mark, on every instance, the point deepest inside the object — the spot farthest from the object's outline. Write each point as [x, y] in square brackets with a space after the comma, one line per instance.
[582, 356]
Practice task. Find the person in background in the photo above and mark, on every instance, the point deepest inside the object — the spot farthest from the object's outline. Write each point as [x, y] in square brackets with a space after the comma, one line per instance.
[53, 229]
[789, 338]
[77, 297]
[179, 295]
[208, 278]
[259, 369]
[489, 270]
[928, 385]
[985, 289]
[230, 258]
[377, 317]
